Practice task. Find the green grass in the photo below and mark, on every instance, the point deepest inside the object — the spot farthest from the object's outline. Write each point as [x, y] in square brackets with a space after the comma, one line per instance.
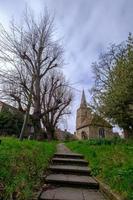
[110, 161]
[21, 165]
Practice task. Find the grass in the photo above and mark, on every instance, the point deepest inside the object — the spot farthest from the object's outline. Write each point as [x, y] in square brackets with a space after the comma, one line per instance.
[21, 165]
[111, 161]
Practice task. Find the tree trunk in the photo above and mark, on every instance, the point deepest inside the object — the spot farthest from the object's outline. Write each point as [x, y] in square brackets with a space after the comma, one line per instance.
[37, 109]
[37, 125]
[50, 133]
[26, 117]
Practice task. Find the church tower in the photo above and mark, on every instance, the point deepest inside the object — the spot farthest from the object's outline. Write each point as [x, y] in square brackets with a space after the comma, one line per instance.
[83, 112]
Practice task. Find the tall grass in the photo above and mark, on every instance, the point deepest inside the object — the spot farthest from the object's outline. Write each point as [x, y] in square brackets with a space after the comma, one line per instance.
[21, 165]
[111, 161]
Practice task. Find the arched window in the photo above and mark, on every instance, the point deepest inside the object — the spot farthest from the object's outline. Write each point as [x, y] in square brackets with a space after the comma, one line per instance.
[84, 135]
[101, 133]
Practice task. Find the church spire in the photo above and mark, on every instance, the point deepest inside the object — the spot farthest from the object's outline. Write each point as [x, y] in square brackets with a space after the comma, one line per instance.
[83, 100]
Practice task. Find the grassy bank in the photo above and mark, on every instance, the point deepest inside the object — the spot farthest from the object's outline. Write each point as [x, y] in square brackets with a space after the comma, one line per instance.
[110, 161]
[21, 165]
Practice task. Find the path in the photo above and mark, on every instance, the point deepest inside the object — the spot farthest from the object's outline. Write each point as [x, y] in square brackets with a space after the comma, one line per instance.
[70, 178]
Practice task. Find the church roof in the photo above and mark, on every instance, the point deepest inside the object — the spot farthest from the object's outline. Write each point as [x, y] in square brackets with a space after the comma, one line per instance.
[98, 121]
[94, 120]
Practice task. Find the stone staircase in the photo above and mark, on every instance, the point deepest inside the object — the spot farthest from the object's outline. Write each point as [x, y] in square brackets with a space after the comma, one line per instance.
[70, 178]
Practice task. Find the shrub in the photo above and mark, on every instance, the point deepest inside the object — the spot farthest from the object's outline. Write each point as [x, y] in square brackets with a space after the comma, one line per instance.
[10, 122]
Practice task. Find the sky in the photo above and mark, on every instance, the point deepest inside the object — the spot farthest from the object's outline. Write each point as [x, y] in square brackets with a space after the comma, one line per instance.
[86, 28]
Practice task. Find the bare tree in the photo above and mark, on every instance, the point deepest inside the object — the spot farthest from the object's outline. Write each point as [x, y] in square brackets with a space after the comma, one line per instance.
[29, 49]
[57, 97]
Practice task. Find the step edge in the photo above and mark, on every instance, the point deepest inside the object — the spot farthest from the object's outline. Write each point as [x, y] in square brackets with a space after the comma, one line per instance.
[74, 182]
[69, 160]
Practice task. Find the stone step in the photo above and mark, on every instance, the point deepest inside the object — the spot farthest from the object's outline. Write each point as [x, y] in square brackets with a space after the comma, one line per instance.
[69, 155]
[68, 161]
[72, 180]
[69, 193]
[70, 169]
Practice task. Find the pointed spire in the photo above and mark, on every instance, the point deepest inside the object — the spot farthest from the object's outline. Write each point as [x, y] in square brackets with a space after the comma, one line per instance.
[83, 100]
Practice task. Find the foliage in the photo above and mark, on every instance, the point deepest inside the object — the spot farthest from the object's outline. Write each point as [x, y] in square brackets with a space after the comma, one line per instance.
[10, 122]
[111, 161]
[113, 94]
[21, 165]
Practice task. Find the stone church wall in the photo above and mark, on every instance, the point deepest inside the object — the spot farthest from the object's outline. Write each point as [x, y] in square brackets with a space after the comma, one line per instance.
[92, 132]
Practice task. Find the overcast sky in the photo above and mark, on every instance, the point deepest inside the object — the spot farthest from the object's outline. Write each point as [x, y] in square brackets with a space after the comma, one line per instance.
[86, 27]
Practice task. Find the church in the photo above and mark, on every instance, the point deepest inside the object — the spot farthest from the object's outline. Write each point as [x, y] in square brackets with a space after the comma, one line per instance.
[89, 125]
